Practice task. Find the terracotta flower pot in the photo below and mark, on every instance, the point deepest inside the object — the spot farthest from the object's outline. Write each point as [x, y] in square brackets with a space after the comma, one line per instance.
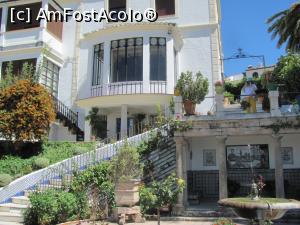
[260, 99]
[226, 101]
[189, 107]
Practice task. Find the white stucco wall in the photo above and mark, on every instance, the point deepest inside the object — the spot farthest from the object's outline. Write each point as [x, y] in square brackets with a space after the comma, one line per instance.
[197, 145]
[188, 12]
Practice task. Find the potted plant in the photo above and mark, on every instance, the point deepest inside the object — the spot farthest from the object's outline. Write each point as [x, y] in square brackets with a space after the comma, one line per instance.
[161, 195]
[245, 105]
[193, 90]
[261, 94]
[228, 98]
[219, 87]
[126, 175]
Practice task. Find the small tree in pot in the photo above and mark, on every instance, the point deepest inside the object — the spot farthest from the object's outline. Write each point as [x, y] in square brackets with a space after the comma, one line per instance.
[160, 194]
[127, 171]
[193, 90]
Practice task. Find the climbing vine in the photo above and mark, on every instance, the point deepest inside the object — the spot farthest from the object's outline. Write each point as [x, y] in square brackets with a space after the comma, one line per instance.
[280, 124]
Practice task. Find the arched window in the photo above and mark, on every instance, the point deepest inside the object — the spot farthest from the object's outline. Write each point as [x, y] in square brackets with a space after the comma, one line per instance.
[255, 75]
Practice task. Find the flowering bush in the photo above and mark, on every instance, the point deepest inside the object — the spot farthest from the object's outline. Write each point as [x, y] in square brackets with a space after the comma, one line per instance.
[27, 110]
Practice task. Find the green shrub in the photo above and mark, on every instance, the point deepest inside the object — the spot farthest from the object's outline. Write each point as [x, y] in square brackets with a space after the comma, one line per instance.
[41, 163]
[230, 96]
[80, 150]
[5, 179]
[14, 165]
[67, 206]
[50, 207]
[98, 175]
[58, 151]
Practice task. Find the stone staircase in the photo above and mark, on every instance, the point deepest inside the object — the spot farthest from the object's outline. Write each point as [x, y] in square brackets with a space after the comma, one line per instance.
[12, 213]
[14, 197]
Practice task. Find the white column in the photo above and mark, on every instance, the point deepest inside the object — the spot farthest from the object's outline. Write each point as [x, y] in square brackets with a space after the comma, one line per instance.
[3, 24]
[87, 128]
[106, 68]
[279, 177]
[274, 105]
[170, 57]
[221, 154]
[146, 65]
[106, 64]
[123, 121]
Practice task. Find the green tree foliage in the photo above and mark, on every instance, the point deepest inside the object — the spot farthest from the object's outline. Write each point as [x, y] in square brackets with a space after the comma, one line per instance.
[286, 25]
[287, 72]
[161, 194]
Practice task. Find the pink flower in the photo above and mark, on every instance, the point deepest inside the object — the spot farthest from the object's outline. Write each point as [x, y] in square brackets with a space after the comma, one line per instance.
[219, 83]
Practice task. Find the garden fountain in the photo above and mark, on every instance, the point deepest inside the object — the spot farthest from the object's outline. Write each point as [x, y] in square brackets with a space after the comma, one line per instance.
[259, 209]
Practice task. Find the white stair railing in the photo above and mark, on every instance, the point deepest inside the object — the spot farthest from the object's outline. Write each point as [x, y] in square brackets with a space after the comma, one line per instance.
[68, 166]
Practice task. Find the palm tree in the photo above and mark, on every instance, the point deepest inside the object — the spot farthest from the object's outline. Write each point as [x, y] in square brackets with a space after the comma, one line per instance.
[286, 25]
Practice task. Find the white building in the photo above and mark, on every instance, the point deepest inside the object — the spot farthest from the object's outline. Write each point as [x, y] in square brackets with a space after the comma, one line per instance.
[235, 77]
[255, 72]
[123, 68]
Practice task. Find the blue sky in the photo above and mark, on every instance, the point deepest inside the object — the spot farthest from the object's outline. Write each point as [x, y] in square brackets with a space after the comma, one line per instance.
[244, 26]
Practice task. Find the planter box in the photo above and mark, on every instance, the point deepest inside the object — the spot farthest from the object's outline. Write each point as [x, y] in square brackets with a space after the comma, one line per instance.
[127, 193]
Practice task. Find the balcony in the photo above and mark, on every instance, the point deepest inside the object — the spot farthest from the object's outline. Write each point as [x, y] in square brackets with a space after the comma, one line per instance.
[279, 107]
[135, 93]
[129, 88]
[18, 34]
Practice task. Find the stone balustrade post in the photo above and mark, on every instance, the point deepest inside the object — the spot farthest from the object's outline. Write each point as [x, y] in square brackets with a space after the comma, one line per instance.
[274, 104]
[178, 107]
[219, 105]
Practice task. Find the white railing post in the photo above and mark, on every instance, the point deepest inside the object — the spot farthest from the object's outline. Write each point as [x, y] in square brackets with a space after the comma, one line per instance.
[178, 107]
[219, 105]
[274, 105]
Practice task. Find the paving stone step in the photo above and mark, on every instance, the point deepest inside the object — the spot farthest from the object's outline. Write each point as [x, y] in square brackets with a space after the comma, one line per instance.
[43, 187]
[22, 200]
[10, 223]
[12, 207]
[11, 217]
